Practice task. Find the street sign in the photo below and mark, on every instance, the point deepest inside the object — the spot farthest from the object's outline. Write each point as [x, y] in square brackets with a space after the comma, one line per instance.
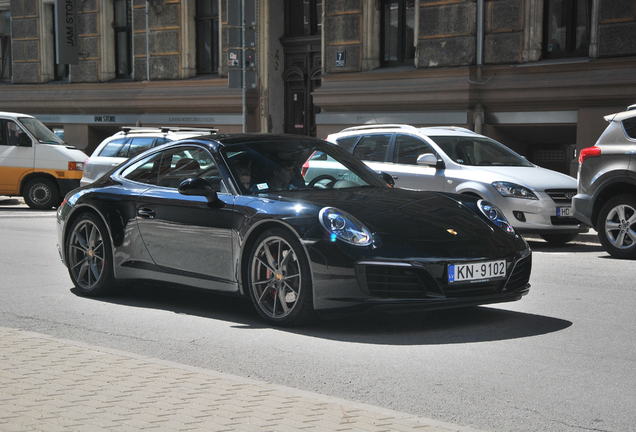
[66, 38]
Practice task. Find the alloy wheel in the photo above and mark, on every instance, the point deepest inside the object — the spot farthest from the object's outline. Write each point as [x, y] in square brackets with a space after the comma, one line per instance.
[86, 254]
[619, 226]
[275, 277]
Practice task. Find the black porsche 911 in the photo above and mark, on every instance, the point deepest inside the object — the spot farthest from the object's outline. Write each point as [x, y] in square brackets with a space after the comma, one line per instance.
[248, 214]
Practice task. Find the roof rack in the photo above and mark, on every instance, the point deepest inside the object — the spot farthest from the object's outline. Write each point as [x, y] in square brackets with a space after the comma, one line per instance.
[455, 128]
[379, 126]
[166, 129]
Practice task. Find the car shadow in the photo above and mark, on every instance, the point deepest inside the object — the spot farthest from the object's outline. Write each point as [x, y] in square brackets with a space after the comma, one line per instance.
[542, 246]
[453, 326]
[9, 201]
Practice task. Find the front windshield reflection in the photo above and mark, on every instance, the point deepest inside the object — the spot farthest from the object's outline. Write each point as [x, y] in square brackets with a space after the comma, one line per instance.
[40, 132]
[276, 166]
[477, 151]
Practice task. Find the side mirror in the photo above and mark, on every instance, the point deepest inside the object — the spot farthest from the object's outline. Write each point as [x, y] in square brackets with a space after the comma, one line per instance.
[196, 186]
[430, 160]
[388, 178]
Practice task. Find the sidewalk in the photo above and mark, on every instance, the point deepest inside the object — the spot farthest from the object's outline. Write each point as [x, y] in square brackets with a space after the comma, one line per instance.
[49, 384]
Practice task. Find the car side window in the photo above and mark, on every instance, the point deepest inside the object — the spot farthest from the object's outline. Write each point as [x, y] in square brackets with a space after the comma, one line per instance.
[144, 171]
[182, 163]
[372, 148]
[139, 145]
[161, 141]
[348, 142]
[630, 127]
[408, 148]
[115, 148]
[13, 135]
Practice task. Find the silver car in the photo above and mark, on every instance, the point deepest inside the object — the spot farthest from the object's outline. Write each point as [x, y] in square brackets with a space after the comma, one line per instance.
[129, 142]
[452, 159]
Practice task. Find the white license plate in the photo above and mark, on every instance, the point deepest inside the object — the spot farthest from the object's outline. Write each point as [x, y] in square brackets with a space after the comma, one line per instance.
[476, 271]
[564, 211]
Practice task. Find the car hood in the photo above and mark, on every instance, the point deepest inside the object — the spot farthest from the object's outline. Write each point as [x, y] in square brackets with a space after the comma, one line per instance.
[399, 216]
[535, 177]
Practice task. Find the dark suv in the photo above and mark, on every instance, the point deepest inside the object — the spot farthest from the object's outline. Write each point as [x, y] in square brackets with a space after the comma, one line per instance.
[606, 196]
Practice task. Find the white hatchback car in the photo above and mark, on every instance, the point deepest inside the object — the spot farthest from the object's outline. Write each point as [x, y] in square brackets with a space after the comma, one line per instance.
[129, 142]
[452, 159]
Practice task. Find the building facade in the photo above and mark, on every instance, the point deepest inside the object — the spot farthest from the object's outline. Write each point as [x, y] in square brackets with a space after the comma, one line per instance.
[536, 74]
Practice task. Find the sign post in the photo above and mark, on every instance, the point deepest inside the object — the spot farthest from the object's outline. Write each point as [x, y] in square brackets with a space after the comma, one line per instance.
[66, 39]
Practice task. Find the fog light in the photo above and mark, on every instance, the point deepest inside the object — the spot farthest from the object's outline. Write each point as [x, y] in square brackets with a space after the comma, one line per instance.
[519, 215]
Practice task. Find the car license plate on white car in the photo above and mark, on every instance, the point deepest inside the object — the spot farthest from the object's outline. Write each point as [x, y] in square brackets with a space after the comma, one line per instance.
[476, 271]
[564, 211]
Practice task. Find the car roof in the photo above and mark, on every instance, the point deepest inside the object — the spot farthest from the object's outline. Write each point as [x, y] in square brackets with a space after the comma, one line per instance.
[14, 115]
[228, 140]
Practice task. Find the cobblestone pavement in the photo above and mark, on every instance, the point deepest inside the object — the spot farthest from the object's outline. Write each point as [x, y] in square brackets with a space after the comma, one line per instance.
[49, 384]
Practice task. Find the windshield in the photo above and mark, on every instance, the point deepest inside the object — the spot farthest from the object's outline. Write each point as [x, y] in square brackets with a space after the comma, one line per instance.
[274, 166]
[39, 131]
[479, 151]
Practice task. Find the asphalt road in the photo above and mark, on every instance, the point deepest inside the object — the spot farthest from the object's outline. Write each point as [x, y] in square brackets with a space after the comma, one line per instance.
[561, 359]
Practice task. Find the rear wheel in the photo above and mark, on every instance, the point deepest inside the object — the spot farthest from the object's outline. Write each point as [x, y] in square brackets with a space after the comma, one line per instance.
[89, 256]
[558, 239]
[279, 279]
[616, 226]
[41, 193]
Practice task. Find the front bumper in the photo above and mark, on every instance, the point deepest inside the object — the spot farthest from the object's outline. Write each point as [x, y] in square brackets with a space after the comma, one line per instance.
[537, 216]
[415, 283]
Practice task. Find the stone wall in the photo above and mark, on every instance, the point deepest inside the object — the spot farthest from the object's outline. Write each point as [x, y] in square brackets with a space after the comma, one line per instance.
[504, 25]
[617, 28]
[446, 33]
[25, 41]
[87, 70]
[343, 32]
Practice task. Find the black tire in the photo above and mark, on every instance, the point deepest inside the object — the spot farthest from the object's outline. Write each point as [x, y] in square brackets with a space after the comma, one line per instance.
[628, 252]
[302, 310]
[41, 193]
[558, 239]
[104, 282]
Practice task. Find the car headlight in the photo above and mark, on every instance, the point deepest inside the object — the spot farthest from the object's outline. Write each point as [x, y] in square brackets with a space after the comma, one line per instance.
[495, 215]
[514, 190]
[343, 226]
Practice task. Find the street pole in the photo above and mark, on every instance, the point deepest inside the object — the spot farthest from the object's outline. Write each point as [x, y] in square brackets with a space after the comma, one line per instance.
[243, 68]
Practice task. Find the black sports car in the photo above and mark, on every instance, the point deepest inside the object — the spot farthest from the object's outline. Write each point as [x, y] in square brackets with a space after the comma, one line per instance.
[250, 215]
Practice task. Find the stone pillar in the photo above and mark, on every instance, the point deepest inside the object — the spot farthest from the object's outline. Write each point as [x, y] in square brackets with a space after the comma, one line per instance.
[343, 28]
[533, 30]
[106, 41]
[88, 67]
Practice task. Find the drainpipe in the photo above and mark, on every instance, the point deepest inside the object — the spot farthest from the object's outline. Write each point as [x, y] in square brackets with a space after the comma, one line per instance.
[147, 42]
[480, 34]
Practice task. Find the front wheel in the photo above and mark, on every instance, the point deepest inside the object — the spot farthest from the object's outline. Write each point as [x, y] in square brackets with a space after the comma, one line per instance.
[41, 194]
[279, 279]
[616, 226]
[89, 256]
[558, 239]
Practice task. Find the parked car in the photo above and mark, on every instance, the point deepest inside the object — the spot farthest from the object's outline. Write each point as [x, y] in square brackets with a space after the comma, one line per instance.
[452, 159]
[234, 214]
[35, 163]
[606, 196]
[129, 142]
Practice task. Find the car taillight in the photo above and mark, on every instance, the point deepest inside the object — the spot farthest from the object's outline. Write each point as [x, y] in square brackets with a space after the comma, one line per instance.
[589, 152]
[305, 167]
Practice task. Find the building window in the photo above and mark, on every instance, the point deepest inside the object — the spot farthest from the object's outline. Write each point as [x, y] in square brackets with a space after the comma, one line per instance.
[122, 26]
[5, 45]
[398, 32]
[311, 22]
[207, 19]
[566, 28]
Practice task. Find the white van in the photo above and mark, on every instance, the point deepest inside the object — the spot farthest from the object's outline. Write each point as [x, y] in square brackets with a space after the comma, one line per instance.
[35, 163]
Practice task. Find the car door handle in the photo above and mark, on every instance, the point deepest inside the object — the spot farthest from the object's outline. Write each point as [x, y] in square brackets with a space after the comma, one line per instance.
[146, 213]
